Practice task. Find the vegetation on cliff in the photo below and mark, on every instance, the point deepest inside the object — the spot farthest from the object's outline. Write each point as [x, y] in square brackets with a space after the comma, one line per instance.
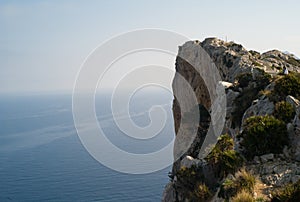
[241, 181]
[190, 183]
[287, 85]
[284, 111]
[289, 193]
[243, 196]
[223, 158]
[263, 135]
[261, 148]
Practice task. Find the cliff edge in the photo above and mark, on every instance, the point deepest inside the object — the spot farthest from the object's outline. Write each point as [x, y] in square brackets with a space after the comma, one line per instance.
[256, 152]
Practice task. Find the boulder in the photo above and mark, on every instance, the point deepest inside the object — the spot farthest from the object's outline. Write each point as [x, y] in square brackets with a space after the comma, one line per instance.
[293, 101]
[259, 107]
[226, 84]
[256, 160]
[230, 97]
[189, 161]
[267, 157]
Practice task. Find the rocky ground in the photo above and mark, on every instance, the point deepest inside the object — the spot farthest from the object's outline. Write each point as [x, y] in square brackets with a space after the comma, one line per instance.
[255, 97]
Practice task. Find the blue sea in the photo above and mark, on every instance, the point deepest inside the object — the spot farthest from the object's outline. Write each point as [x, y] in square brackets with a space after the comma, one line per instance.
[42, 158]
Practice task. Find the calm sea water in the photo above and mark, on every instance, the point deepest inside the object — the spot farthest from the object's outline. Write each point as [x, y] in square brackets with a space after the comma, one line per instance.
[42, 159]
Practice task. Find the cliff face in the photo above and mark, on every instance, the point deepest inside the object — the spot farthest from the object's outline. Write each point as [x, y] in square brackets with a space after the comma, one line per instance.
[227, 85]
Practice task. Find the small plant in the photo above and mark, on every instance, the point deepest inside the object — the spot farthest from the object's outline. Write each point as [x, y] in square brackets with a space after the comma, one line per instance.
[290, 193]
[225, 143]
[230, 161]
[262, 79]
[190, 182]
[243, 196]
[242, 181]
[287, 85]
[260, 199]
[223, 158]
[263, 135]
[266, 93]
[188, 177]
[246, 180]
[200, 193]
[284, 111]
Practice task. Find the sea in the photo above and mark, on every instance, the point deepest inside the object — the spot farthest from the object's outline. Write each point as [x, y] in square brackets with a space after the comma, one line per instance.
[43, 159]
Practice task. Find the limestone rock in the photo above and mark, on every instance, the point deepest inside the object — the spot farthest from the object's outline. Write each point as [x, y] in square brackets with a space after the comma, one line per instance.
[277, 172]
[256, 160]
[226, 84]
[286, 152]
[169, 193]
[294, 129]
[259, 108]
[293, 101]
[267, 157]
[189, 161]
[231, 58]
[231, 95]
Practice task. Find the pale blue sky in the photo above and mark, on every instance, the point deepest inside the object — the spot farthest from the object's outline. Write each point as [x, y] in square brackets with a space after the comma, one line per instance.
[43, 43]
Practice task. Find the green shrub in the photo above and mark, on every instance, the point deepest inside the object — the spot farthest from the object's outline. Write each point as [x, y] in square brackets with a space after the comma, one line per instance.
[289, 193]
[245, 180]
[287, 85]
[243, 196]
[263, 135]
[230, 161]
[188, 177]
[200, 193]
[242, 181]
[262, 79]
[261, 199]
[190, 183]
[223, 158]
[284, 111]
[225, 143]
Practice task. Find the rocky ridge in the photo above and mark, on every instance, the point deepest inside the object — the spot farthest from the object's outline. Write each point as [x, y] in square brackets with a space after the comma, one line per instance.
[249, 79]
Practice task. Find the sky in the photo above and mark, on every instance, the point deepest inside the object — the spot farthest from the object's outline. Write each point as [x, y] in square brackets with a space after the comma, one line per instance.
[44, 43]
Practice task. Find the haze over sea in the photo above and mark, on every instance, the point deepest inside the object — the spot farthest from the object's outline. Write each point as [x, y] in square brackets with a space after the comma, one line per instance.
[42, 158]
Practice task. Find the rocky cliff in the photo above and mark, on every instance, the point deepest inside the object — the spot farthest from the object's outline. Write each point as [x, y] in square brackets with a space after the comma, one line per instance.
[247, 116]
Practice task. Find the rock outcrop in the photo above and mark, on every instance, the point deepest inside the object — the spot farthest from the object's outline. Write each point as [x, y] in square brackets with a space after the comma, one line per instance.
[247, 79]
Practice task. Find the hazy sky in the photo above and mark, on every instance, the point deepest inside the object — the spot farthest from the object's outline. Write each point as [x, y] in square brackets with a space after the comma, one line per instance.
[43, 43]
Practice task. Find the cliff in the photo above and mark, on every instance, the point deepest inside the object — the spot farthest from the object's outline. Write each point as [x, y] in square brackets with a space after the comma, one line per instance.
[236, 114]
